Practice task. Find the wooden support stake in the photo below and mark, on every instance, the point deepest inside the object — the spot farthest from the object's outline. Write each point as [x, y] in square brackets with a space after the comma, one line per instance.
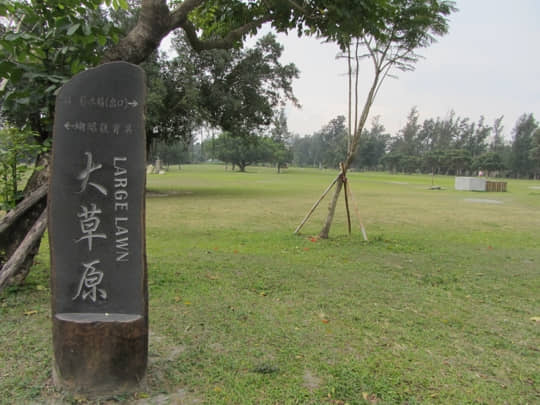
[345, 185]
[364, 234]
[316, 204]
[35, 233]
[23, 206]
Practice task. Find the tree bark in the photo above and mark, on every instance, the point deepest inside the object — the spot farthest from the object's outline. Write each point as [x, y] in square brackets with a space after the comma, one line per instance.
[22, 207]
[325, 231]
[13, 266]
[16, 226]
[153, 25]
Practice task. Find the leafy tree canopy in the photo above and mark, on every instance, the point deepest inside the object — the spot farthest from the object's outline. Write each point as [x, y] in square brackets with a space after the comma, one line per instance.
[526, 125]
[243, 151]
[43, 44]
[237, 90]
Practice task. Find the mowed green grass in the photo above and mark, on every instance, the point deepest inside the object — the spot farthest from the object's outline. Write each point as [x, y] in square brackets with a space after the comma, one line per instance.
[442, 305]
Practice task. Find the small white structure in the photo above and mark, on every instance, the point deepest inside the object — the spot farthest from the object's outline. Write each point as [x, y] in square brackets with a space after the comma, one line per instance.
[470, 184]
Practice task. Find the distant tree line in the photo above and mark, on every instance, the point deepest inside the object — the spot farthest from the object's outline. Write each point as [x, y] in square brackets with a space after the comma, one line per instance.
[453, 145]
[266, 146]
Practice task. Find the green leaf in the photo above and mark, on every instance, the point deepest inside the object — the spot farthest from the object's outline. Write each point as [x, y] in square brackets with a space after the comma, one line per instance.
[71, 30]
[7, 67]
[40, 53]
[11, 37]
[27, 37]
[50, 88]
[56, 78]
[76, 66]
[123, 4]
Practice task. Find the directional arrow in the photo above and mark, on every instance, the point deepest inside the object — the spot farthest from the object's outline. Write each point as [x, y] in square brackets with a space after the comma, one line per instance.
[133, 103]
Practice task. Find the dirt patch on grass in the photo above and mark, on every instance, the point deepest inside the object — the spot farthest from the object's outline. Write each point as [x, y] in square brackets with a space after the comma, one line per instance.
[174, 352]
[161, 349]
[311, 381]
[482, 201]
[180, 397]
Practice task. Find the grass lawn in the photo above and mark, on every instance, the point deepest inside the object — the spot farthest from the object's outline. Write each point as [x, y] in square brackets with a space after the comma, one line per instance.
[442, 305]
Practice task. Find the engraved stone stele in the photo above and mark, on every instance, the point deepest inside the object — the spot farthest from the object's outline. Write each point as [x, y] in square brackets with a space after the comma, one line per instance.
[97, 231]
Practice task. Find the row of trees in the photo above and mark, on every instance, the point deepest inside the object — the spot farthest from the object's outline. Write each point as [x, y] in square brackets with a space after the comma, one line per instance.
[270, 146]
[451, 145]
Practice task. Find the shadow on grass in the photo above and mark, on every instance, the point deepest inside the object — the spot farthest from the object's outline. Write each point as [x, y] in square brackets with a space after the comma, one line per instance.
[209, 192]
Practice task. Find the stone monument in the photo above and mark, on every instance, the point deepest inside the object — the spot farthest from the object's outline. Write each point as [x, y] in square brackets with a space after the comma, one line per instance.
[97, 231]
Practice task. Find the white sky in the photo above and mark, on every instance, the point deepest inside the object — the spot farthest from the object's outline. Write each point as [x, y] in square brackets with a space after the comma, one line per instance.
[488, 64]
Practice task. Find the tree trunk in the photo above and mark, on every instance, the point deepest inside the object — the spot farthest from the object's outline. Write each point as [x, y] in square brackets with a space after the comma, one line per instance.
[12, 268]
[6, 187]
[15, 232]
[14, 189]
[325, 231]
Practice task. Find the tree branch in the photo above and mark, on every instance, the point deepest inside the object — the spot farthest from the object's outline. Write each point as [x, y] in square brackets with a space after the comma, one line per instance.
[180, 14]
[297, 6]
[153, 25]
[385, 73]
[156, 21]
[220, 43]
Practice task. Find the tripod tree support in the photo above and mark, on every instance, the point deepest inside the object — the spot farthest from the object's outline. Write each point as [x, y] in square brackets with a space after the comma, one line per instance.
[348, 197]
[308, 215]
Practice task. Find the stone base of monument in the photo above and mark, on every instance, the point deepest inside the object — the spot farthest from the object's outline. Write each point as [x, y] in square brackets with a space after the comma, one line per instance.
[99, 354]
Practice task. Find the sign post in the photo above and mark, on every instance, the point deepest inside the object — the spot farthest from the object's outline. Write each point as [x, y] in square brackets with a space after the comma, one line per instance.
[97, 231]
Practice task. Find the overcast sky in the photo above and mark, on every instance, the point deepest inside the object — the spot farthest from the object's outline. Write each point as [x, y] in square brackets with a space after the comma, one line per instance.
[488, 64]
